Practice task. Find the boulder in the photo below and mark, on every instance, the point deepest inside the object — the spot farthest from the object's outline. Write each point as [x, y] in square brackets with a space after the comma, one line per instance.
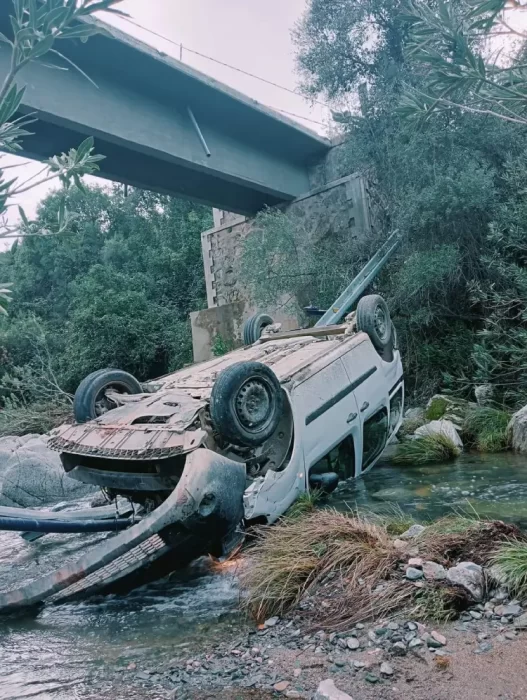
[327, 690]
[469, 576]
[484, 394]
[440, 427]
[518, 430]
[412, 532]
[447, 408]
[33, 477]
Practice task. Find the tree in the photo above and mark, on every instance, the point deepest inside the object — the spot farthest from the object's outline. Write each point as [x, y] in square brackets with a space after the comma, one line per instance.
[37, 29]
[468, 62]
[115, 289]
[445, 186]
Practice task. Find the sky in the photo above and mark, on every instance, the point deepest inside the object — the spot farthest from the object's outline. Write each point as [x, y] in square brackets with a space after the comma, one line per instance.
[253, 35]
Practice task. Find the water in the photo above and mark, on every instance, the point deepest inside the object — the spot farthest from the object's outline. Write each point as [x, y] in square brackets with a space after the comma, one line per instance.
[82, 650]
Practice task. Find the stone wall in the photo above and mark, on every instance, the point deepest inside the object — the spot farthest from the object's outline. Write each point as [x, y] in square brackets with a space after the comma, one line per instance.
[338, 204]
[338, 207]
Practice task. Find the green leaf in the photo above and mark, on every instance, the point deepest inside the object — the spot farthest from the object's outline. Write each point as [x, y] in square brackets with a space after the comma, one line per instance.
[78, 32]
[85, 147]
[42, 47]
[23, 216]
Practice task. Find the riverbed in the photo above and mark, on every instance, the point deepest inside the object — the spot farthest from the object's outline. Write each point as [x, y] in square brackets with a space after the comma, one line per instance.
[90, 650]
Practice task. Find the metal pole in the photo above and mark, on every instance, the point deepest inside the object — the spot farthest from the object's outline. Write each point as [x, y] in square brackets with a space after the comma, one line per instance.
[198, 132]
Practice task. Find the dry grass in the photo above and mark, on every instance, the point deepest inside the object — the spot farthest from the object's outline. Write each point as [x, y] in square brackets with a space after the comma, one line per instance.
[291, 557]
[461, 538]
[345, 568]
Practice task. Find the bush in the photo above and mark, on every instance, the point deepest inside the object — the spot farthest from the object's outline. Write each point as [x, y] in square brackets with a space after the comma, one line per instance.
[511, 562]
[426, 450]
[20, 419]
[487, 429]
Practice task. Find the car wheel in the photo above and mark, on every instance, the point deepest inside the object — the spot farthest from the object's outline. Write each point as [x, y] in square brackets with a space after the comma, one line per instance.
[253, 327]
[373, 318]
[90, 398]
[246, 403]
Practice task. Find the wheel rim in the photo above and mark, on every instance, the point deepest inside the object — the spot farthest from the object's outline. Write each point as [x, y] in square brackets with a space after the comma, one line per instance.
[381, 323]
[253, 404]
[102, 403]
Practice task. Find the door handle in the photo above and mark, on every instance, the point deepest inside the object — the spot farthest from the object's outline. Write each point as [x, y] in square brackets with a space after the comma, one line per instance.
[351, 418]
[364, 406]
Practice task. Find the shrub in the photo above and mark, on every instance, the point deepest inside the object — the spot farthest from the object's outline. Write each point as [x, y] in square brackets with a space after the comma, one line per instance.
[20, 419]
[511, 561]
[487, 429]
[426, 450]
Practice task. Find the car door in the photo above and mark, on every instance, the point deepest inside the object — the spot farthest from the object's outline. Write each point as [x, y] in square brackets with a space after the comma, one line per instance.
[364, 368]
[326, 410]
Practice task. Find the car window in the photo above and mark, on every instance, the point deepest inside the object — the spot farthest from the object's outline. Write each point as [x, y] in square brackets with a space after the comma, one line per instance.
[341, 459]
[396, 406]
[375, 434]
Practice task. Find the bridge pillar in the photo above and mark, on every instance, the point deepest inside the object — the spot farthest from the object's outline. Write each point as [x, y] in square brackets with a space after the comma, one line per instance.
[337, 207]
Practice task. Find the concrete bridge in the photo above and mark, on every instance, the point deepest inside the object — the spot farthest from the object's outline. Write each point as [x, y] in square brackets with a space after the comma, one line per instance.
[164, 126]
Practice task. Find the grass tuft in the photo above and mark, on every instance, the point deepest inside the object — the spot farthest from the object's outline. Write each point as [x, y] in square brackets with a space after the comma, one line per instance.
[426, 450]
[307, 502]
[290, 557]
[439, 603]
[487, 429]
[20, 419]
[511, 561]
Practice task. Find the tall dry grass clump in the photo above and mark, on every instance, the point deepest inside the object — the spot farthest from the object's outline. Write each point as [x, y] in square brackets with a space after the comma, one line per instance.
[292, 556]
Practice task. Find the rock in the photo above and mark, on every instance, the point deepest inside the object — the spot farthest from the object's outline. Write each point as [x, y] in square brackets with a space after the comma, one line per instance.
[484, 394]
[518, 430]
[438, 638]
[413, 574]
[511, 610]
[433, 571]
[441, 427]
[483, 648]
[469, 576]
[400, 544]
[386, 669]
[414, 414]
[34, 477]
[272, 622]
[293, 694]
[414, 643]
[520, 623]
[510, 635]
[415, 562]
[399, 649]
[327, 690]
[393, 626]
[412, 532]
[371, 678]
[352, 643]
[281, 686]
[475, 614]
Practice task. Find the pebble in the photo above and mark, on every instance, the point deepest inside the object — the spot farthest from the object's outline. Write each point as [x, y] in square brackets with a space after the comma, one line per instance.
[297, 672]
[371, 678]
[412, 532]
[399, 649]
[475, 615]
[393, 626]
[352, 643]
[438, 638]
[510, 635]
[483, 648]
[415, 562]
[508, 610]
[386, 669]
[414, 643]
[327, 690]
[293, 694]
[359, 664]
[271, 622]
[413, 574]
[281, 686]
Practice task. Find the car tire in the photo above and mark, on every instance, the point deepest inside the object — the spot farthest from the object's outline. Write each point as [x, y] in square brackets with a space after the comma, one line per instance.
[373, 318]
[253, 327]
[246, 403]
[91, 390]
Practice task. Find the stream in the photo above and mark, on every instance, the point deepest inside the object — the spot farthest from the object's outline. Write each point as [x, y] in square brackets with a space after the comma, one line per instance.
[83, 650]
